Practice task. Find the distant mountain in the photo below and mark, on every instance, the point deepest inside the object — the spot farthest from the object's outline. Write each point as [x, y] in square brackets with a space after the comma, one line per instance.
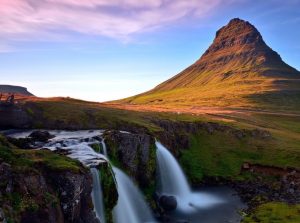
[239, 70]
[14, 89]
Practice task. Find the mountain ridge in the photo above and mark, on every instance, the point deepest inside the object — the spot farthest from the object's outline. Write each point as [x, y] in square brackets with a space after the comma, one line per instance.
[7, 89]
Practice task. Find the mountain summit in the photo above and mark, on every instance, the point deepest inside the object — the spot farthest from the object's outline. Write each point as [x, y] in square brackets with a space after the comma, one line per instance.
[238, 69]
[238, 51]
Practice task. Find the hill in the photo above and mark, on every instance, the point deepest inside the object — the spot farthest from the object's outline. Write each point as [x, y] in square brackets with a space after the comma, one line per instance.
[14, 89]
[238, 70]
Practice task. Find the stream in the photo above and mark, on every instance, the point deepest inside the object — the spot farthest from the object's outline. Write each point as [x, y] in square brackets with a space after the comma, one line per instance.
[206, 205]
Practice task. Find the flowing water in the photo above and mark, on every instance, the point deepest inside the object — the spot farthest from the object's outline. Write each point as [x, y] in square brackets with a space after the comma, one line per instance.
[131, 206]
[209, 205]
[104, 148]
[97, 196]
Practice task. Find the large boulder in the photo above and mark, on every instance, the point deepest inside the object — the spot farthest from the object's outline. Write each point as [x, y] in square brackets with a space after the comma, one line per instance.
[168, 203]
[41, 136]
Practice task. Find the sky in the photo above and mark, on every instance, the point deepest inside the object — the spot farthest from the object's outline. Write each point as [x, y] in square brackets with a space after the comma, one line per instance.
[101, 50]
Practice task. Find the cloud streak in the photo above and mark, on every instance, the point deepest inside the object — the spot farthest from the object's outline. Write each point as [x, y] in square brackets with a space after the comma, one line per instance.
[119, 19]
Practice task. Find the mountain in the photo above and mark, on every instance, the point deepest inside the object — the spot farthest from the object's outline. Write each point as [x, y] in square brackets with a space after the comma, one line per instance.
[238, 70]
[14, 89]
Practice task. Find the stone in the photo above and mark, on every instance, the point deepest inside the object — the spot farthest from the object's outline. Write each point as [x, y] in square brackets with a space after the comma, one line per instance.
[41, 136]
[168, 203]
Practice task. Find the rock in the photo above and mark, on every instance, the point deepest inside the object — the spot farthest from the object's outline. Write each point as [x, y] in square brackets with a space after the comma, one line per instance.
[246, 166]
[2, 217]
[168, 203]
[22, 143]
[41, 136]
[135, 152]
[55, 196]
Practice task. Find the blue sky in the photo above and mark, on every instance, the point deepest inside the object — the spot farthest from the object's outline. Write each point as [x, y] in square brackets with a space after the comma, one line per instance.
[103, 50]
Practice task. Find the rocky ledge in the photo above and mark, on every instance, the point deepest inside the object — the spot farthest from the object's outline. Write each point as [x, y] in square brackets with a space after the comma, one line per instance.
[134, 153]
[40, 186]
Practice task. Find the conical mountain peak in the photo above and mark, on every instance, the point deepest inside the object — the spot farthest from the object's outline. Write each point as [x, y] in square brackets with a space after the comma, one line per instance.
[236, 66]
[236, 33]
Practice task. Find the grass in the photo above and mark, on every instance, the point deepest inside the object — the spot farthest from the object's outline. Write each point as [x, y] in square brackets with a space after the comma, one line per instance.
[217, 154]
[30, 159]
[258, 93]
[222, 155]
[275, 213]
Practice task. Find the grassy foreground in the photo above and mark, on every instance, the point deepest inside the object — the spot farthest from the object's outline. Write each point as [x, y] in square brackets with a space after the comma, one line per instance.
[213, 154]
[275, 213]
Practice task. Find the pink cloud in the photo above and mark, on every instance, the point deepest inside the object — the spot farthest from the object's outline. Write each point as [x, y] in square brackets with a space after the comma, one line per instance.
[112, 18]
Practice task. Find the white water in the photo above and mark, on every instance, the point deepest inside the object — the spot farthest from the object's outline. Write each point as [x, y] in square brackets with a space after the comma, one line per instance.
[104, 148]
[131, 206]
[172, 181]
[171, 178]
[97, 196]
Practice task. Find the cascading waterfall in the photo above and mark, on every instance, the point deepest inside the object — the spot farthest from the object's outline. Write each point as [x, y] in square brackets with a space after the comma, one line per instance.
[131, 206]
[171, 177]
[104, 148]
[97, 195]
[172, 181]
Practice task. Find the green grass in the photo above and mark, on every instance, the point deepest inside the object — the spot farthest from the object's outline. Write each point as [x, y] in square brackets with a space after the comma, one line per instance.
[217, 154]
[274, 213]
[222, 154]
[30, 159]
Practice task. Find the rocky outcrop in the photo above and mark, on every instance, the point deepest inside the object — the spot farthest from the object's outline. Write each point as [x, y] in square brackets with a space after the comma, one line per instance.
[14, 117]
[35, 140]
[45, 196]
[135, 153]
[269, 184]
[40, 136]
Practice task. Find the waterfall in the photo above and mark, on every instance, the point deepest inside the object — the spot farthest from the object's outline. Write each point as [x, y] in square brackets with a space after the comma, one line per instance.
[97, 196]
[131, 206]
[171, 177]
[104, 148]
[172, 181]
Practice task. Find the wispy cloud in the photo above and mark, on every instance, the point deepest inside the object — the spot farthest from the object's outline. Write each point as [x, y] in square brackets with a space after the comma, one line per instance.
[26, 19]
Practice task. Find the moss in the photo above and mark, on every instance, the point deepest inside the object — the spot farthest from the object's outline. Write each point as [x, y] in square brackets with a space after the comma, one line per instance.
[31, 162]
[109, 189]
[274, 213]
[25, 159]
[149, 189]
[97, 147]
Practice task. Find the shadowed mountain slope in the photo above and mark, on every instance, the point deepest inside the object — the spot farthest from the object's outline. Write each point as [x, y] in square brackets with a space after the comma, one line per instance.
[238, 70]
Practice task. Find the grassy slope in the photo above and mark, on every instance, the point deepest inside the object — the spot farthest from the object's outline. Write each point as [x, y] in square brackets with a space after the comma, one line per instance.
[217, 154]
[257, 93]
[207, 151]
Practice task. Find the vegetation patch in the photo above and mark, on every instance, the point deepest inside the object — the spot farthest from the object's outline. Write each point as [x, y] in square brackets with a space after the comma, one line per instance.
[109, 188]
[221, 155]
[274, 213]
